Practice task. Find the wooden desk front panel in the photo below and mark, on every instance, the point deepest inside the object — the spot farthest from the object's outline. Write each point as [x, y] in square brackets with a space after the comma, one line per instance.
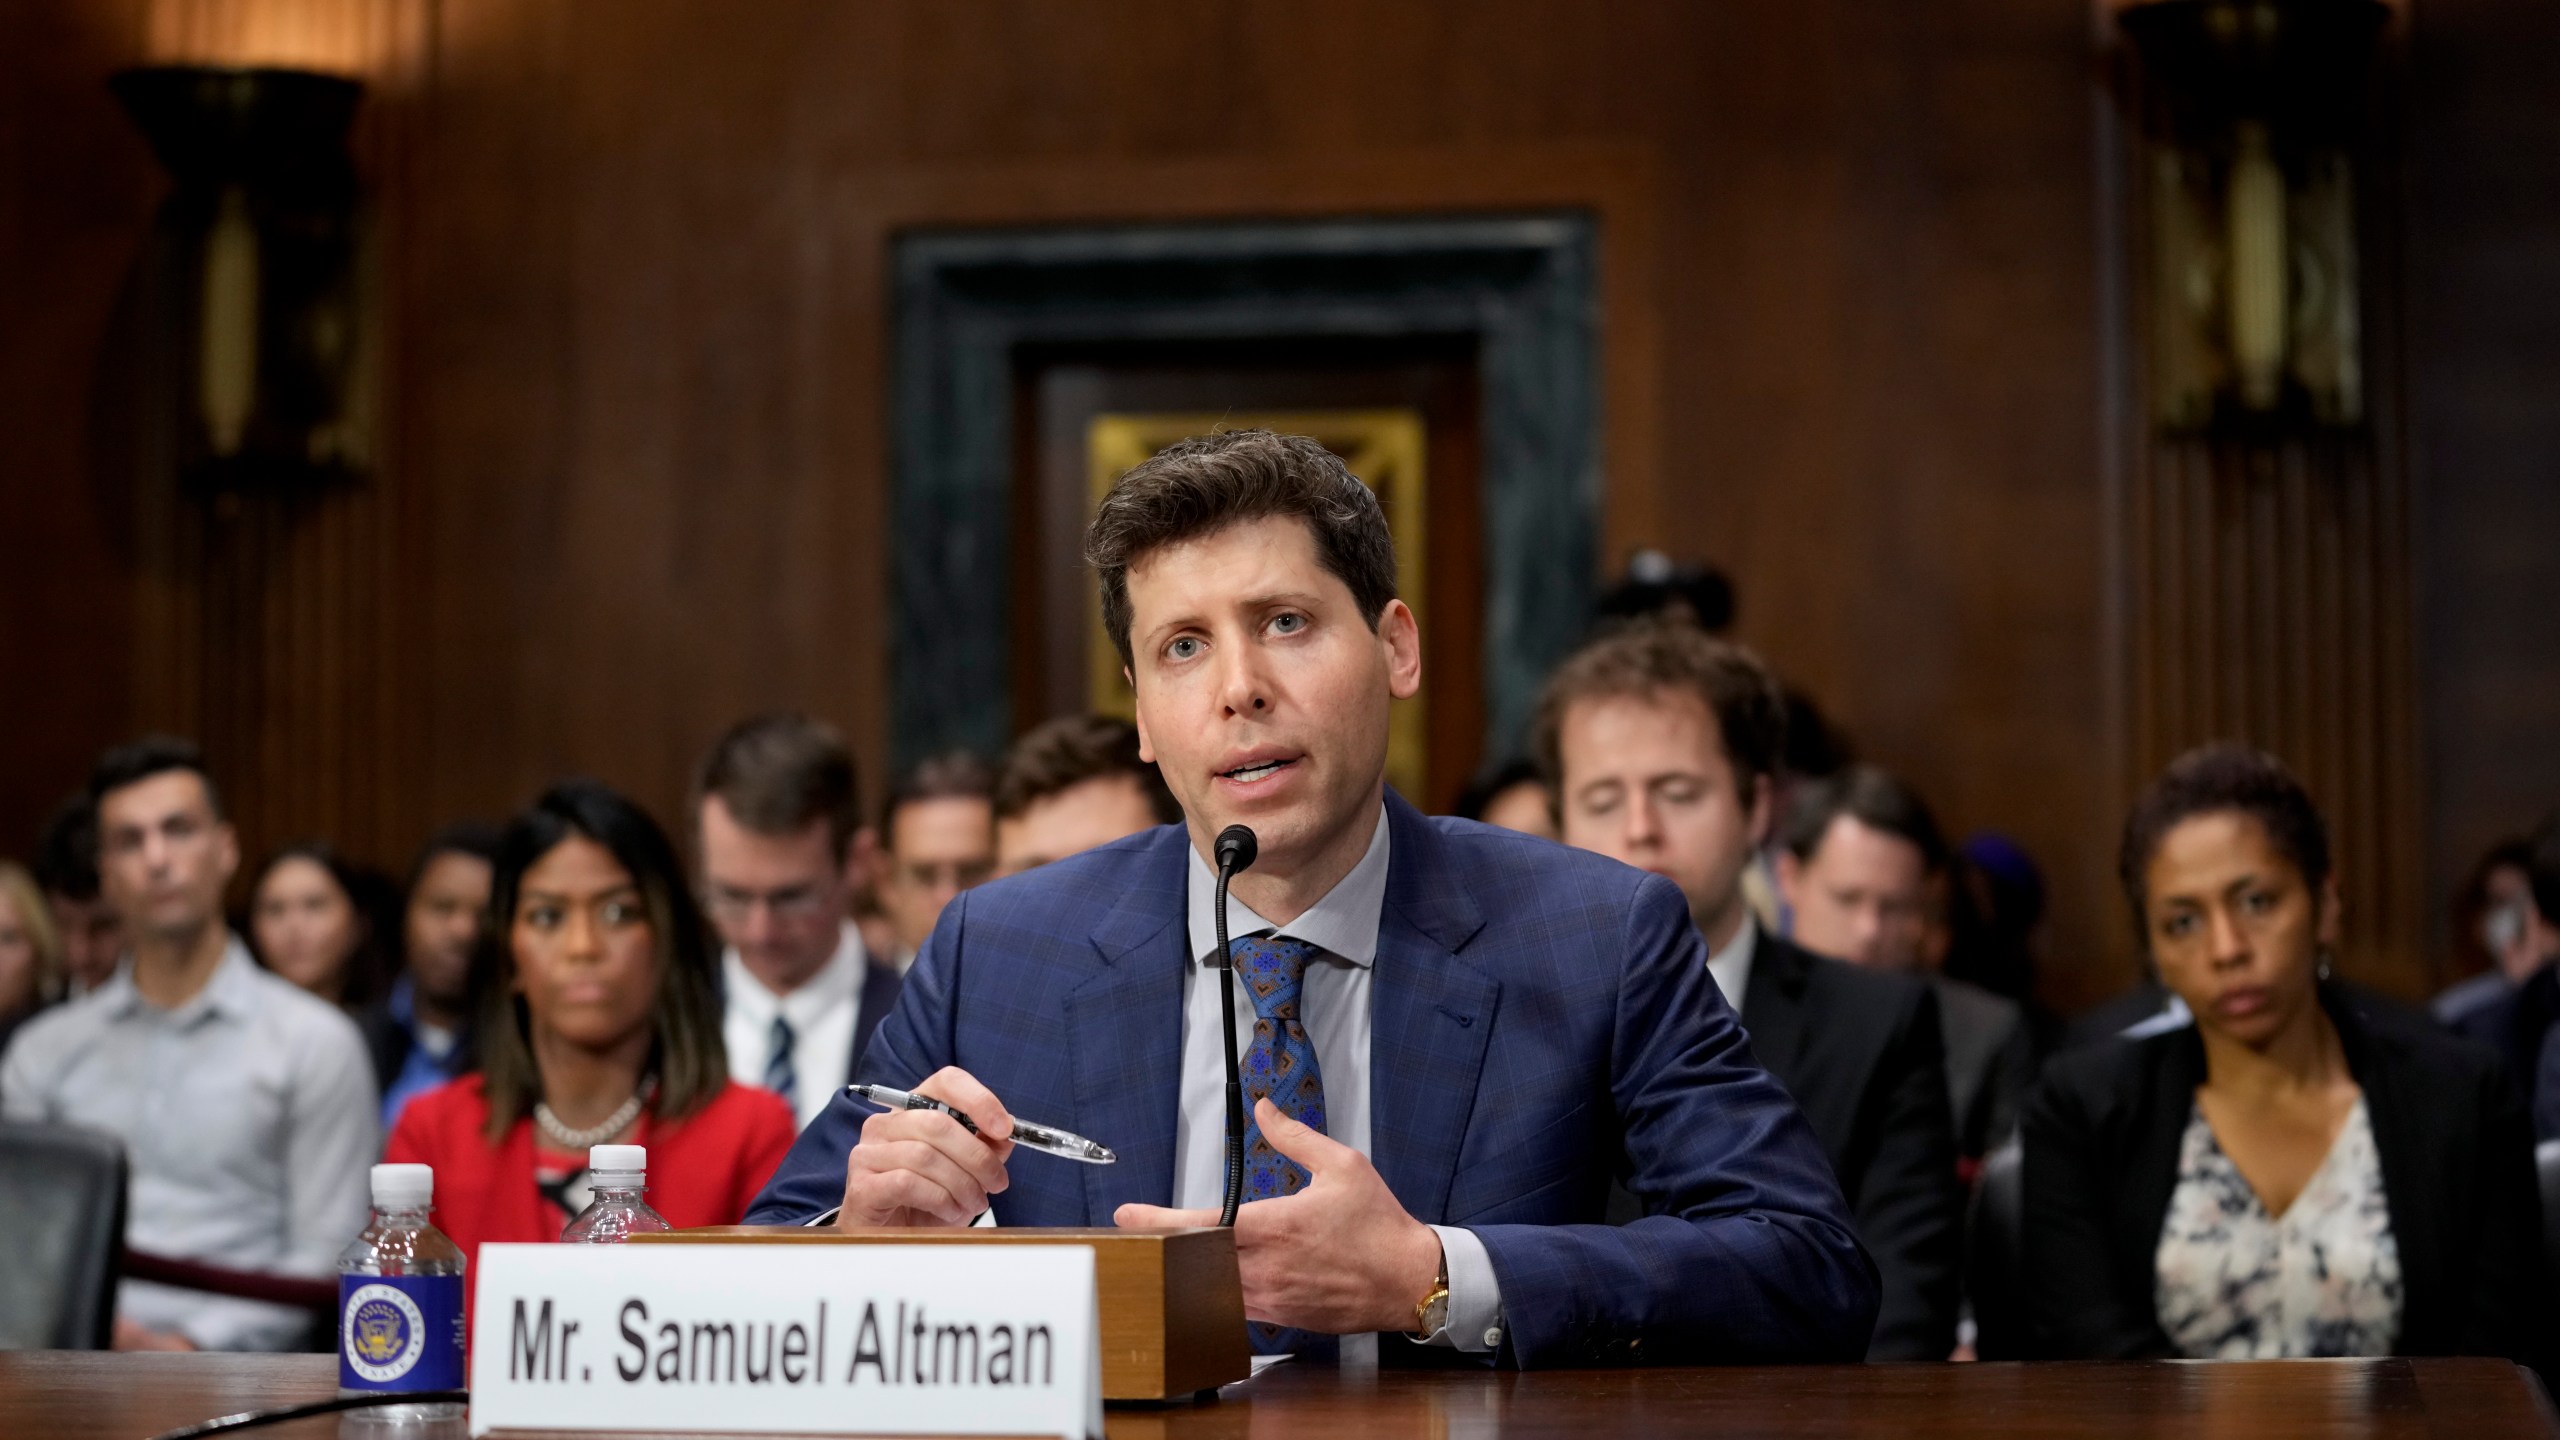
[82, 1396]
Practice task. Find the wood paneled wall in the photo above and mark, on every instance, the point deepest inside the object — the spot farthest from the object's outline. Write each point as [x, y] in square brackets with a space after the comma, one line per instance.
[636, 426]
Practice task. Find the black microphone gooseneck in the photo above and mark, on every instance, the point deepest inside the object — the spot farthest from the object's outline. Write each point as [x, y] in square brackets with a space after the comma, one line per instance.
[1236, 847]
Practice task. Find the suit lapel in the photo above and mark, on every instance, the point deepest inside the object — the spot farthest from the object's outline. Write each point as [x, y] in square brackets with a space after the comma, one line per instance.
[1772, 1004]
[1126, 1024]
[1431, 1013]
[880, 985]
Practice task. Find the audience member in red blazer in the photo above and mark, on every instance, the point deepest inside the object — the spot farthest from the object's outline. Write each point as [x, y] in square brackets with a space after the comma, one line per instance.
[703, 1170]
[599, 1022]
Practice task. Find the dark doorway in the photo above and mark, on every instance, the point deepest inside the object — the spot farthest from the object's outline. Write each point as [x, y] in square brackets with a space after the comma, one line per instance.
[1071, 398]
[1017, 347]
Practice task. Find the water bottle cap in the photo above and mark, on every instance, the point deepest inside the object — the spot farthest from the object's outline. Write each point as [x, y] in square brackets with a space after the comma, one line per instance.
[403, 1187]
[618, 1157]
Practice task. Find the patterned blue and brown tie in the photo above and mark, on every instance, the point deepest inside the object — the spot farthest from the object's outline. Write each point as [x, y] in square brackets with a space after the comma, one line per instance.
[1280, 1065]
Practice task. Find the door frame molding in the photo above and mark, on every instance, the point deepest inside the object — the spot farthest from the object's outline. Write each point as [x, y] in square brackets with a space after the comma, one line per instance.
[1523, 288]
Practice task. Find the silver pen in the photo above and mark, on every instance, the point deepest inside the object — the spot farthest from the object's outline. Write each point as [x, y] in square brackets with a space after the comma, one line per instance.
[1047, 1139]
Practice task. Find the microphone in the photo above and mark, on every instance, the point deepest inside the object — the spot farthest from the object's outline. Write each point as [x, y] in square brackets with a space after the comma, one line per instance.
[1235, 850]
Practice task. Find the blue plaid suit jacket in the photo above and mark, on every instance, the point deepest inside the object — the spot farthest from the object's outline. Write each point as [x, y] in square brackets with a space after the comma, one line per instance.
[1542, 1022]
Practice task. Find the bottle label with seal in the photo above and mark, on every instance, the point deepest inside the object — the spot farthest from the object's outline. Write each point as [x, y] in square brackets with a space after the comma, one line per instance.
[400, 1332]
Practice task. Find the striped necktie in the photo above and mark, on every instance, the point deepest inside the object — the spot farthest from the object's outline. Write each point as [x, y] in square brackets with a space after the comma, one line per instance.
[779, 1076]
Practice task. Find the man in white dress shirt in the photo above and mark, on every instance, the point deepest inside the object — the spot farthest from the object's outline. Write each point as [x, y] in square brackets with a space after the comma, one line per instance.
[775, 821]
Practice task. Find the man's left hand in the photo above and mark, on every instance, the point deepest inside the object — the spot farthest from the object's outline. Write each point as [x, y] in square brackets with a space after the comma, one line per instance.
[1339, 1257]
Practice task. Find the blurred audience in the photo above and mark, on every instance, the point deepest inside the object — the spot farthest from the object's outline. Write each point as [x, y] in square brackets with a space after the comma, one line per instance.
[775, 815]
[420, 1034]
[321, 923]
[2294, 1173]
[1859, 851]
[1655, 586]
[937, 838]
[1512, 795]
[2543, 871]
[67, 870]
[30, 951]
[1071, 784]
[1987, 928]
[1662, 742]
[599, 1024]
[2501, 933]
[245, 1104]
[2516, 1016]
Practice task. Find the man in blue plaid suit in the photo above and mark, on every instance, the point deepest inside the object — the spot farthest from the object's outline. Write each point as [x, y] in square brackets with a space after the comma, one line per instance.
[1460, 1035]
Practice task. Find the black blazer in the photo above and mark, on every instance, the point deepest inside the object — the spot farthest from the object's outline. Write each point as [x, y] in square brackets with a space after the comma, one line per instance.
[2101, 1133]
[387, 1043]
[1862, 1053]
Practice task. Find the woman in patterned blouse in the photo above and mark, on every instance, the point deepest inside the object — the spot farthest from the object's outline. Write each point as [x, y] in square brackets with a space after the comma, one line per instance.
[2304, 1169]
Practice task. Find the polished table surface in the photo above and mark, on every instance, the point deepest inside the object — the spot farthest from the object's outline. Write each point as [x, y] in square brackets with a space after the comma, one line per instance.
[129, 1397]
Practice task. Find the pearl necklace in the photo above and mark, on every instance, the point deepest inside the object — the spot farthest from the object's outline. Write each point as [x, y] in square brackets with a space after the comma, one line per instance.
[612, 1125]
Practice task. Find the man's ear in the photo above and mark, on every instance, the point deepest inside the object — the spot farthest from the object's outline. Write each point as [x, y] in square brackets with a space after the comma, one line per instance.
[1402, 637]
[1138, 716]
[861, 860]
[1757, 811]
[226, 851]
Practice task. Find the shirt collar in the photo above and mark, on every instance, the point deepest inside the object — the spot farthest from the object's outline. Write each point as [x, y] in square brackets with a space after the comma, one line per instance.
[1343, 924]
[1731, 966]
[232, 989]
[836, 983]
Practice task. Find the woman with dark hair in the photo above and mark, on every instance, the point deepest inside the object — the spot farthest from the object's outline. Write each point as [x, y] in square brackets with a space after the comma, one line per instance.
[2296, 1173]
[599, 1024]
[318, 921]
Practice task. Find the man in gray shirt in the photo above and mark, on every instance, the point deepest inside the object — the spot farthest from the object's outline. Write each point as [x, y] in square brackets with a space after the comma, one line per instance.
[246, 1106]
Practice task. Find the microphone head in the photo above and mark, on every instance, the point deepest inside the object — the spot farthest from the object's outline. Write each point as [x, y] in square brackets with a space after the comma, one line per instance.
[1236, 848]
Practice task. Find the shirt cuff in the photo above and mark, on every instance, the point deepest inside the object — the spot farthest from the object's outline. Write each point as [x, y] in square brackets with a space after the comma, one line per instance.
[986, 1219]
[1475, 1296]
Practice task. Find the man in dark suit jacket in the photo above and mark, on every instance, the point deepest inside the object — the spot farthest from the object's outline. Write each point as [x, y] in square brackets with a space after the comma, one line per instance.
[1660, 739]
[776, 824]
[1459, 1035]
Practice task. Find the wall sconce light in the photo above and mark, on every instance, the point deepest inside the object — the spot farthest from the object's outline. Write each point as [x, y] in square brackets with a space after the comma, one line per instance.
[264, 215]
[2252, 115]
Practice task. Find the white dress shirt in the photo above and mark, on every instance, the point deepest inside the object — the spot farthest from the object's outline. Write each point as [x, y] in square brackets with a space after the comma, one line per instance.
[249, 1116]
[1333, 1004]
[823, 1014]
[1731, 966]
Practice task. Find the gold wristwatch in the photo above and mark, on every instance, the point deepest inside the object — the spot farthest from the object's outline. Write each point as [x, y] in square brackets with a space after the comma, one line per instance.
[1431, 1313]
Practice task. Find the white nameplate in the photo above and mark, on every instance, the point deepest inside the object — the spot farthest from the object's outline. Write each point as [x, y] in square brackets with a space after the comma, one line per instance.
[788, 1339]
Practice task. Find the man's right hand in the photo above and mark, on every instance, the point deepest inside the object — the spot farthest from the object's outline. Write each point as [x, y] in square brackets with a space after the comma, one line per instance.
[921, 1167]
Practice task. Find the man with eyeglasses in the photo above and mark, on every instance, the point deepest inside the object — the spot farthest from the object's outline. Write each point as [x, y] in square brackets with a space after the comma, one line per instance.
[938, 837]
[776, 826]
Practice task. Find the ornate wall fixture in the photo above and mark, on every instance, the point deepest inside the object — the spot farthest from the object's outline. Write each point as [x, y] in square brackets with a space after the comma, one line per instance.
[263, 221]
[2252, 116]
[239, 398]
[2263, 506]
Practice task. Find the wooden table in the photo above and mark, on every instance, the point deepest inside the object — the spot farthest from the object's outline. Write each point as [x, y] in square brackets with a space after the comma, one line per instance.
[78, 1396]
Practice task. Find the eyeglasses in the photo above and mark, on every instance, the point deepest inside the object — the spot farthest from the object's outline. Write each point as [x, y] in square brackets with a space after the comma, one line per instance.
[791, 906]
[959, 874]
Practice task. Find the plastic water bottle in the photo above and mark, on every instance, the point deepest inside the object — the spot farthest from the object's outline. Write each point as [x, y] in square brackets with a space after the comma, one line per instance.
[400, 1309]
[617, 1175]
